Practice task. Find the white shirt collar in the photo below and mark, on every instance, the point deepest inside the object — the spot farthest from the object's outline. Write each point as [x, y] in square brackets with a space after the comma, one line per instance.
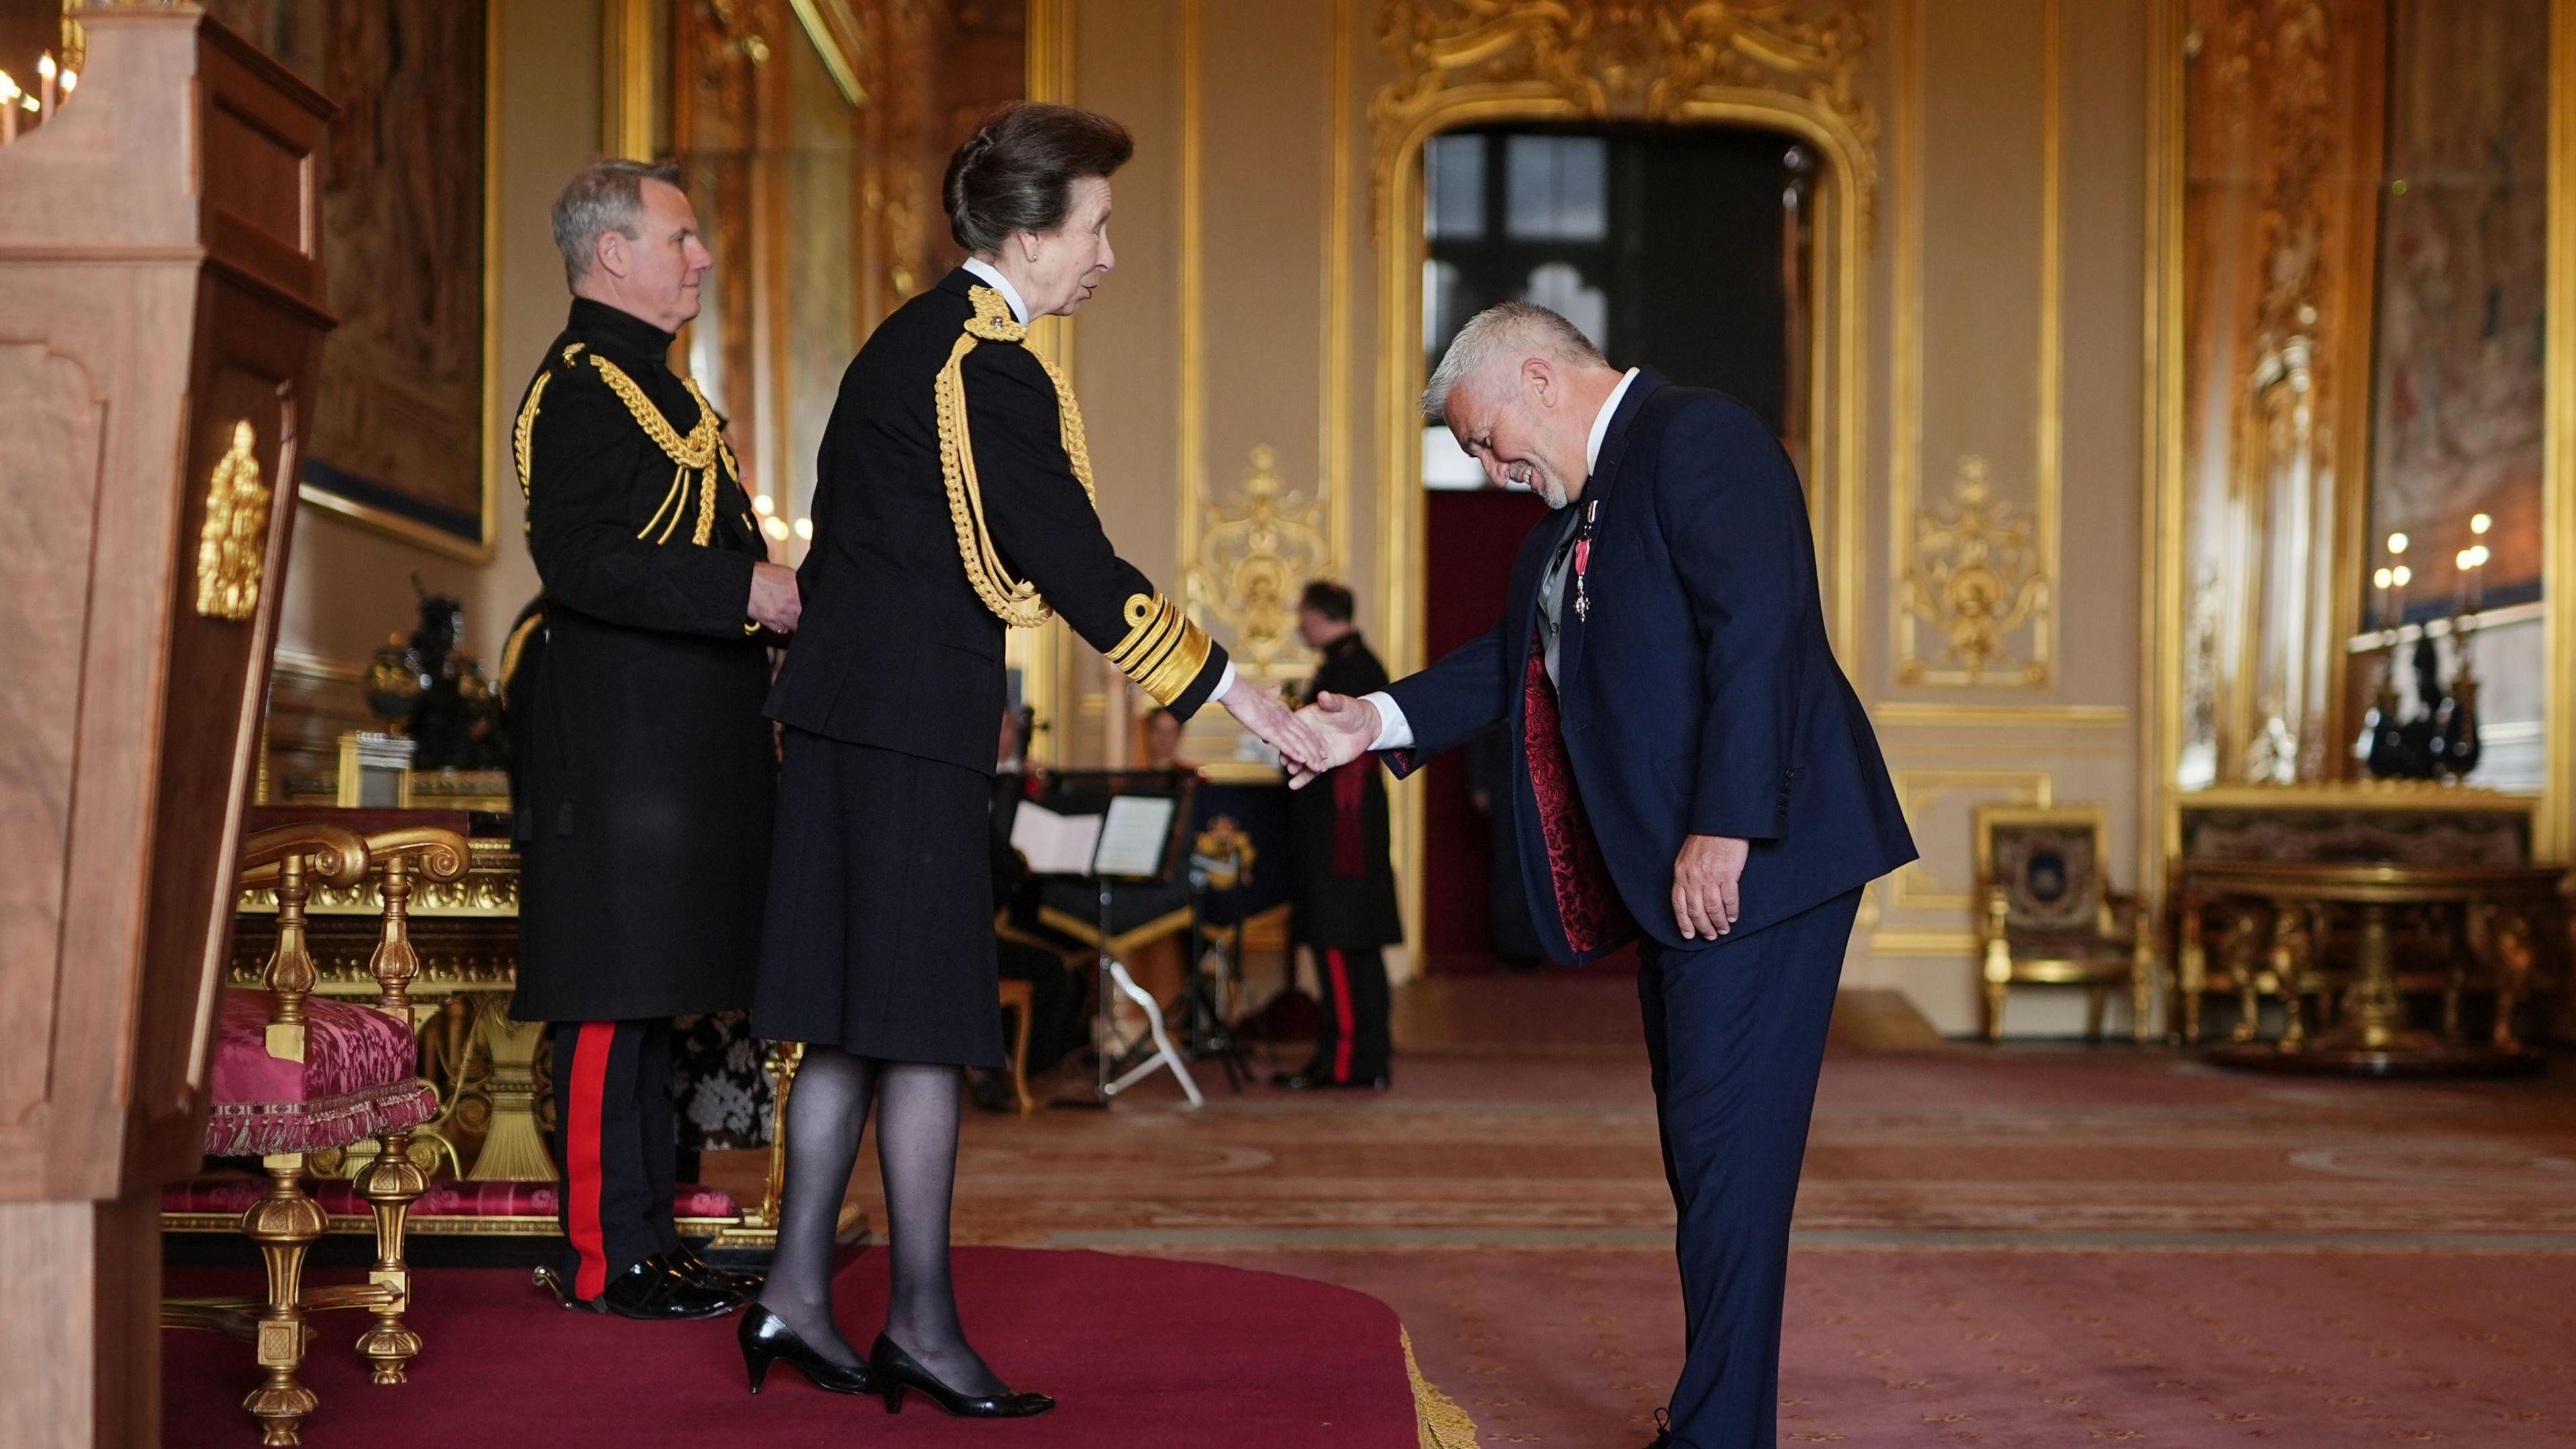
[1002, 284]
[1601, 423]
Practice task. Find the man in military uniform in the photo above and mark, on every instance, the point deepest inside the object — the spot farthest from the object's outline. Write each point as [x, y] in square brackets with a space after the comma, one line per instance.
[1341, 877]
[646, 772]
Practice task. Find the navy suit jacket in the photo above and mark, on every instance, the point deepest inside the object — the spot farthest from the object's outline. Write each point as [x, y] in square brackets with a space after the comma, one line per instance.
[1701, 696]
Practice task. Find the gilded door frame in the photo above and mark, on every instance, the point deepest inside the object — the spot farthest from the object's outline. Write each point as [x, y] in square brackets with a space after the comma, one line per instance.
[1821, 60]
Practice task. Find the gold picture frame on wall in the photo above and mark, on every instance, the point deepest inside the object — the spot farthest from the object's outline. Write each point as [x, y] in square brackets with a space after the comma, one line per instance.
[408, 400]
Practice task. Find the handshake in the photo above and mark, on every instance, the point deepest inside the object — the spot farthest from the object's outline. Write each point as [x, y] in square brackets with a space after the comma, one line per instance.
[1331, 732]
[774, 604]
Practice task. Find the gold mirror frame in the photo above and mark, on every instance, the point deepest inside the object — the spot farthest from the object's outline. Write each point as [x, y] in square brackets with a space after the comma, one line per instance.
[1715, 62]
[2164, 499]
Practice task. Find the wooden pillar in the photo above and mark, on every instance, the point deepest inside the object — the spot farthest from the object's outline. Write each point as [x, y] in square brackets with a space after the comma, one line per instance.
[161, 321]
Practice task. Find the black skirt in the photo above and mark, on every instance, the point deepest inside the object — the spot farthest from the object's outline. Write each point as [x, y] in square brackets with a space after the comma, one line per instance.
[879, 938]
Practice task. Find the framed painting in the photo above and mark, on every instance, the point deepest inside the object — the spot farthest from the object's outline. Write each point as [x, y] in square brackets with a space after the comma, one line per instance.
[2458, 407]
[406, 401]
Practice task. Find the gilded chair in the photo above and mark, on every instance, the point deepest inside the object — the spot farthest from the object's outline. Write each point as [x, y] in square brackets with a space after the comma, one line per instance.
[391, 1179]
[1020, 999]
[296, 1074]
[2048, 917]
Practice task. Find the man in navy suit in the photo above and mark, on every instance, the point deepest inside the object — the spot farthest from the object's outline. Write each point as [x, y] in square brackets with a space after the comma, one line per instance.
[1694, 774]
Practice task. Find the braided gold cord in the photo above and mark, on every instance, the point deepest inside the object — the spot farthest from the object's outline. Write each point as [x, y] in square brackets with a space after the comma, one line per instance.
[1014, 601]
[522, 438]
[694, 452]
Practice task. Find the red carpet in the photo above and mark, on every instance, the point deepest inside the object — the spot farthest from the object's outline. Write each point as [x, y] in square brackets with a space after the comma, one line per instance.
[1138, 1352]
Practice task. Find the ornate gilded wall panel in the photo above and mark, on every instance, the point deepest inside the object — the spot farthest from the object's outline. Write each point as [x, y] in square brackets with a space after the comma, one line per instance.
[2001, 90]
[1258, 545]
[1602, 58]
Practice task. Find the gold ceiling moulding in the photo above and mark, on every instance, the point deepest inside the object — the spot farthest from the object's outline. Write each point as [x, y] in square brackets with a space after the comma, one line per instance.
[1627, 59]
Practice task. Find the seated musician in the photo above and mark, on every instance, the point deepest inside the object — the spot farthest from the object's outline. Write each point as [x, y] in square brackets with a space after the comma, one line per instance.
[1163, 744]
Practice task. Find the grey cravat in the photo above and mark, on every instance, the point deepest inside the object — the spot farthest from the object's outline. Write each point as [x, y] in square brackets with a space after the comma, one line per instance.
[1551, 591]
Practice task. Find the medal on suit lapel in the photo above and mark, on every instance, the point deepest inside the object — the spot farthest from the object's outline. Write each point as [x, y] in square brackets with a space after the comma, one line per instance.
[1583, 559]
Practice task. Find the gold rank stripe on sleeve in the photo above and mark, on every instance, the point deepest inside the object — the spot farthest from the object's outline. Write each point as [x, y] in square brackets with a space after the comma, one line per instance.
[1163, 650]
[1014, 601]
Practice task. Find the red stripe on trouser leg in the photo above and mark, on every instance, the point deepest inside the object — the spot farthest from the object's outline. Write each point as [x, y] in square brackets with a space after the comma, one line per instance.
[1341, 974]
[581, 1107]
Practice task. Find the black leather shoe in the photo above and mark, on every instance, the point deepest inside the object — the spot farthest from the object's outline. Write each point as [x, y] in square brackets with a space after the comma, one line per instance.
[1314, 1081]
[766, 1339]
[895, 1372]
[744, 1286]
[651, 1290]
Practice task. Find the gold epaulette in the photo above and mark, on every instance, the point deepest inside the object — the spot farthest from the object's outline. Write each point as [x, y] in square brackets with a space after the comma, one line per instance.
[1014, 601]
[1163, 650]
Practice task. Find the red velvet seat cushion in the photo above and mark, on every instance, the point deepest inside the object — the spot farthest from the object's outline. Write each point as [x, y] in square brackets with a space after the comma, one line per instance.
[357, 1079]
[230, 1195]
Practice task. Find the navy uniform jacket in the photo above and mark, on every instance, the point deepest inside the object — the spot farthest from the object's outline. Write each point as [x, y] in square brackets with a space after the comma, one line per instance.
[1701, 695]
[1341, 875]
[895, 649]
[645, 775]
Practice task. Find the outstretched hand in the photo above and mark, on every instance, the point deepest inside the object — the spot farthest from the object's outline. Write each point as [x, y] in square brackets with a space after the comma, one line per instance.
[1260, 711]
[1345, 728]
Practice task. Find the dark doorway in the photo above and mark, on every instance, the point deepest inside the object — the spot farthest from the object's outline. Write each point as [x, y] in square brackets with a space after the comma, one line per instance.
[1685, 249]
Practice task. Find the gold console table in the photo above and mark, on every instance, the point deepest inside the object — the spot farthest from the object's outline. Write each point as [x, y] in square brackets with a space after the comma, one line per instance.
[2277, 925]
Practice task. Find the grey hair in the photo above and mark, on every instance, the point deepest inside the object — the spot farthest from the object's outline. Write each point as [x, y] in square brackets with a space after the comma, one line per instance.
[1542, 332]
[601, 197]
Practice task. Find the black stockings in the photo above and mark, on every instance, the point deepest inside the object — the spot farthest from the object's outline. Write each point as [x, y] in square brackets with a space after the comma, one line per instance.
[918, 1107]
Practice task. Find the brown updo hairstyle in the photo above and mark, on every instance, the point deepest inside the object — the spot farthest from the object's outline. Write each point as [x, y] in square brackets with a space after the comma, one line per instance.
[1016, 173]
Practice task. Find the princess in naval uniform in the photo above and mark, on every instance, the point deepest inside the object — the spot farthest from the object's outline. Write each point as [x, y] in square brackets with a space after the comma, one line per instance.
[954, 501]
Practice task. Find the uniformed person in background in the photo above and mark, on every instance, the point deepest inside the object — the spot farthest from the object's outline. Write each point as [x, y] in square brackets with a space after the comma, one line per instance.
[1341, 875]
[953, 502]
[646, 772]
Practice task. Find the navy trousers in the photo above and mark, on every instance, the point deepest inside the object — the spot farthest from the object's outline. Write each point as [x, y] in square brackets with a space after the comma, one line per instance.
[1735, 1034]
[617, 1147]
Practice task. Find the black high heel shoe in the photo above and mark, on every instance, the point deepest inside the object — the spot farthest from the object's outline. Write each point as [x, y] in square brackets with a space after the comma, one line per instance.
[896, 1371]
[766, 1339]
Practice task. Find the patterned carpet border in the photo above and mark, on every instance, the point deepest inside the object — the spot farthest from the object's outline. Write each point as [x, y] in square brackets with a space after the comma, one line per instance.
[1442, 1423]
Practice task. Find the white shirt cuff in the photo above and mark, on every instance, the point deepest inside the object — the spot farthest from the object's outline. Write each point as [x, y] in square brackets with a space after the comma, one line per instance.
[1224, 682]
[1394, 731]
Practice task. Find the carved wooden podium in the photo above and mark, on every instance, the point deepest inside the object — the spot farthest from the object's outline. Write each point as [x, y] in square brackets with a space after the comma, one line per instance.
[161, 320]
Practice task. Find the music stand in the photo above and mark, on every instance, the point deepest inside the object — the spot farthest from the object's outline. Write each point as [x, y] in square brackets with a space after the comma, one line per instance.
[1206, 1025]
[1136, 841]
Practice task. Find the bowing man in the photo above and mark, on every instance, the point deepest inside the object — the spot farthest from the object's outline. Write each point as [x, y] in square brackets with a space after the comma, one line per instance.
[1694, 774]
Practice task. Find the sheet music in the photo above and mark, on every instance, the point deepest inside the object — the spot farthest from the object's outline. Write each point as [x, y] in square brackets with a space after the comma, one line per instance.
[1055, 844]
[1133, 836]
